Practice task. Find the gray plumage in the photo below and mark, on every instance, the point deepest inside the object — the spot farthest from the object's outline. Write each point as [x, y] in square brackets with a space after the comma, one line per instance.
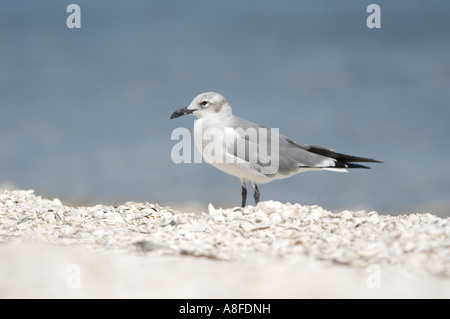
[247, 155]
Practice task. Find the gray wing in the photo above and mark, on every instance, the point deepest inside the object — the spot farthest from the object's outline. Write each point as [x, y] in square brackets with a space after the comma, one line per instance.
[291, 155]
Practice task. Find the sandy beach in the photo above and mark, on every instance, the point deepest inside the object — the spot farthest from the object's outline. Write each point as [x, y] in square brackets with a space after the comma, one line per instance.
[273, 250]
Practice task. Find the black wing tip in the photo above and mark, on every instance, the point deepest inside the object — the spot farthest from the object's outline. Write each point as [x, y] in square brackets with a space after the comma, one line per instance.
[368, 160]
[351, 165]
[349, 162]
[351, 159]
[344, 165]
[344, 158]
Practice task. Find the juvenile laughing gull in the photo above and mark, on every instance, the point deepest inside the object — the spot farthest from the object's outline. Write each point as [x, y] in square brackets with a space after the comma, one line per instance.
[252, 152]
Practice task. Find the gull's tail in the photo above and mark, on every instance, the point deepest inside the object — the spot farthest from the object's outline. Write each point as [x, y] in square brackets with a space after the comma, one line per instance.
[342, 160]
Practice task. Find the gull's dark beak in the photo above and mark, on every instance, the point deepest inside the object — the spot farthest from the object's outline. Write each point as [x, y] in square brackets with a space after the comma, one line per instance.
[181, 112]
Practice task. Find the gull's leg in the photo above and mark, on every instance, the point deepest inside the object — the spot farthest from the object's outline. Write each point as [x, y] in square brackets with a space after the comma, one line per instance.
[244, 192]
[256, 195]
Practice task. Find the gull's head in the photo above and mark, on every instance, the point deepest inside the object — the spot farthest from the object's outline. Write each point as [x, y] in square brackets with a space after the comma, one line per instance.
[206, 105]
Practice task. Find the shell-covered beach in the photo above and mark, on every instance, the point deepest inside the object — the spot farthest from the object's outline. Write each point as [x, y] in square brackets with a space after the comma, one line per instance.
[273, 250]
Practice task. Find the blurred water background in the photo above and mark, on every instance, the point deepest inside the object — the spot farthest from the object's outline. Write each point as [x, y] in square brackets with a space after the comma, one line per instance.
[84, 113]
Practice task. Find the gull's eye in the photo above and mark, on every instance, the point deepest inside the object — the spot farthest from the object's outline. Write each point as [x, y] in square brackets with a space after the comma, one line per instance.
[204, 103]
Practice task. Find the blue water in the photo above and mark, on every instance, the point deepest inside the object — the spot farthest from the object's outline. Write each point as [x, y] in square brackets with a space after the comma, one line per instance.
[84, 114]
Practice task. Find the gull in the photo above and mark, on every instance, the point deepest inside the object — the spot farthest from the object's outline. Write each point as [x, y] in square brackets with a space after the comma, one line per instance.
[241, 148]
